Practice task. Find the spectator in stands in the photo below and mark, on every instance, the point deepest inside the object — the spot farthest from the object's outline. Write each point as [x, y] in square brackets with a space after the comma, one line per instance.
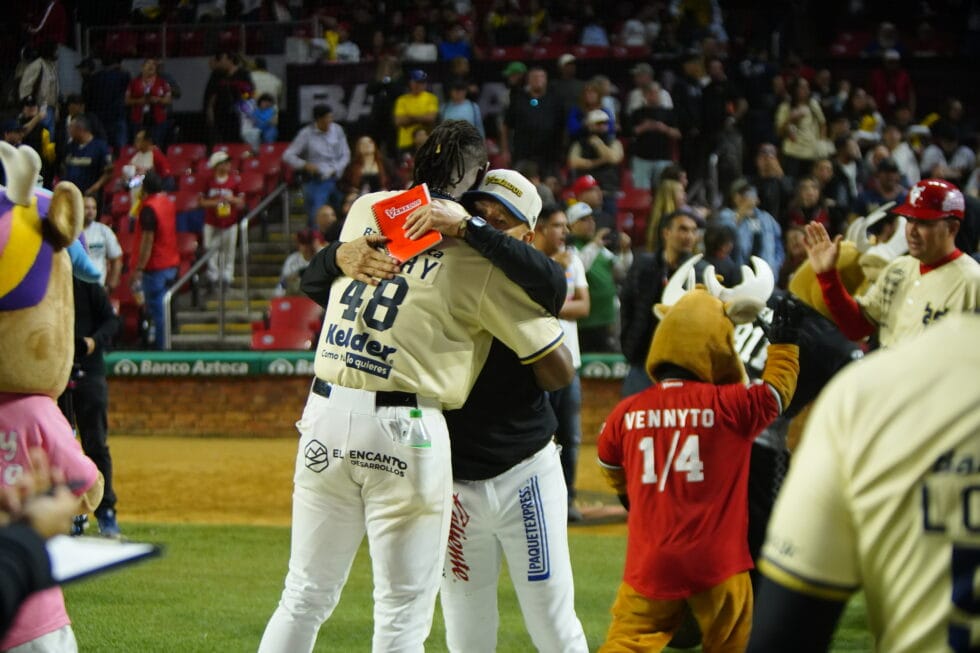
[952, 115]
[222, 203]
[795, 255]
[346, 50]
[295, 263]
[420, 49]
[724, 108]
[655, 136]
[593, 31]
[505, 24]
[864, 121]
[887, 187]
[947, 158]
[642, 291]
[567, 86]
[587, 189]
[808, 205]
[327, 225]
[40, 81]
[156, 257]
[228, 87]
[88, 162]
[589, 101]
[103, 247]
[459, 107]
[456, 44]
[416, 108]
[886, 38]
[51, 24]
[598, 153]
[533, 125]
[515, 78]
[801, 126]
[549, 237]
[13, 133]
[775, 189]
[719, 242]
[384, 91]
[107, 100]
[642, 76]
[604, 271]
[459, 71]
[530, 171]
[369, 170]
[37, 136]
[147, 98]
[146, 157]
[850, 176]
[901, 152]
[320, 152]
[687, 93]
[265, 82]
[670, 197]
[265, 118]
[608, 100]
[74, 106]
[756, 232]
[891, 84]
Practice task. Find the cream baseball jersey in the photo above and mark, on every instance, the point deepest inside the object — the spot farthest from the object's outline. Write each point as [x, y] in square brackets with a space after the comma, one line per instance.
[429, 329]
[884, 493]
[904, 301]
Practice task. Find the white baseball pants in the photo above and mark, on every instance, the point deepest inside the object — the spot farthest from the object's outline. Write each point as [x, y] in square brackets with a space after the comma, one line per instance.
[353, 478]
[522, 514]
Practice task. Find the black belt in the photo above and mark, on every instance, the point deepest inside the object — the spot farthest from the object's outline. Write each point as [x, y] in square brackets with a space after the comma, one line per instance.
[381, 397]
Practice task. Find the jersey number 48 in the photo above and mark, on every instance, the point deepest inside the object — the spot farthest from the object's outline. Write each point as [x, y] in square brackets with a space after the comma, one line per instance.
[687, 460]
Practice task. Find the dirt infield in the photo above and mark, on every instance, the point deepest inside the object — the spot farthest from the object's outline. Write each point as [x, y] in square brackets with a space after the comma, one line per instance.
[249, 481]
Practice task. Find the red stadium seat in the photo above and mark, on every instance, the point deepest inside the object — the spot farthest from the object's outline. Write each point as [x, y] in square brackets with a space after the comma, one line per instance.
[253, 185]
[272, 339]
[190, 42]
[235, 150]
[635, 200]
[151, 44]
[194, 151]
[250, 164]
[126, 153]
[271, 165]
[121, 43]
[127, 241]
[191, 182]
[121, 203]
[180, 165]
[276, 148]
[293, 313]
[229, 40]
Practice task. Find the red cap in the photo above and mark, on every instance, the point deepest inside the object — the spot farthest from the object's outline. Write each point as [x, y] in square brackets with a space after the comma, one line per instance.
[584, 183]
[933, 199]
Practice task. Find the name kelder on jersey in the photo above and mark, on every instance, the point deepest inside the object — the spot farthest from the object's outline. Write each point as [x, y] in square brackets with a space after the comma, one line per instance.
[361, 349]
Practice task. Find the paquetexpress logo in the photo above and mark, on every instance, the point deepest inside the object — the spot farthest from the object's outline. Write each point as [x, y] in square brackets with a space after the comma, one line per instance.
[316, 456]
[126, 367]
[281, 366]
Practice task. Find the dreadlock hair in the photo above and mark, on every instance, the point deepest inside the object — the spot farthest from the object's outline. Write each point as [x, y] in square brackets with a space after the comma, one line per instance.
[452, 148]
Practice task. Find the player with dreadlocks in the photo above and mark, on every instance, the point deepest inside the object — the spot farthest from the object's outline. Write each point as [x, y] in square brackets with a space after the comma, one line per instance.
[389, 359]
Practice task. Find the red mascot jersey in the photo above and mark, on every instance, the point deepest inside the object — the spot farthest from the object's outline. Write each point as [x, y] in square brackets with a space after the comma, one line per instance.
[684, 447]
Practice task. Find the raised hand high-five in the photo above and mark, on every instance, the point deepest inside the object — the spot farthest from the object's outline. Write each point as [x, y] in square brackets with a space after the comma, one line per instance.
[820, 249]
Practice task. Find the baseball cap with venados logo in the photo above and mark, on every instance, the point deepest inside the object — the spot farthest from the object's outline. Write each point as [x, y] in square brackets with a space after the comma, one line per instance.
[933, 199]
[513, 190]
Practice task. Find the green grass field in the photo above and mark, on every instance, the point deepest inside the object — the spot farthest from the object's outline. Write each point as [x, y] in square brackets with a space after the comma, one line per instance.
[216, 586]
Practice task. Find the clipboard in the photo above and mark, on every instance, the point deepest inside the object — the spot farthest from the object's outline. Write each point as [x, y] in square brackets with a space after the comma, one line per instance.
[390, 215]
[73, 558]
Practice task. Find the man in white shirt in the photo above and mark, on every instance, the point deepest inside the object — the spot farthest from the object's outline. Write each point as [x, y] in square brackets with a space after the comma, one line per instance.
[103, 247]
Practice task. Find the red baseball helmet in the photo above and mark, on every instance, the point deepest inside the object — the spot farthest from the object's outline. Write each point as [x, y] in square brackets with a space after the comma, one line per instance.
[933, 199]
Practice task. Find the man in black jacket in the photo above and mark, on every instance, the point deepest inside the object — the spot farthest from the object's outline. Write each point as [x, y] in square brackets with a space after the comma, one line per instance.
[86, 400]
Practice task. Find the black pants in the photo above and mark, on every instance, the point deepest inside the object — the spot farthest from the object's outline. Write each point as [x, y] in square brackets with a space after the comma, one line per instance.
[86, 405]
[766, 472]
